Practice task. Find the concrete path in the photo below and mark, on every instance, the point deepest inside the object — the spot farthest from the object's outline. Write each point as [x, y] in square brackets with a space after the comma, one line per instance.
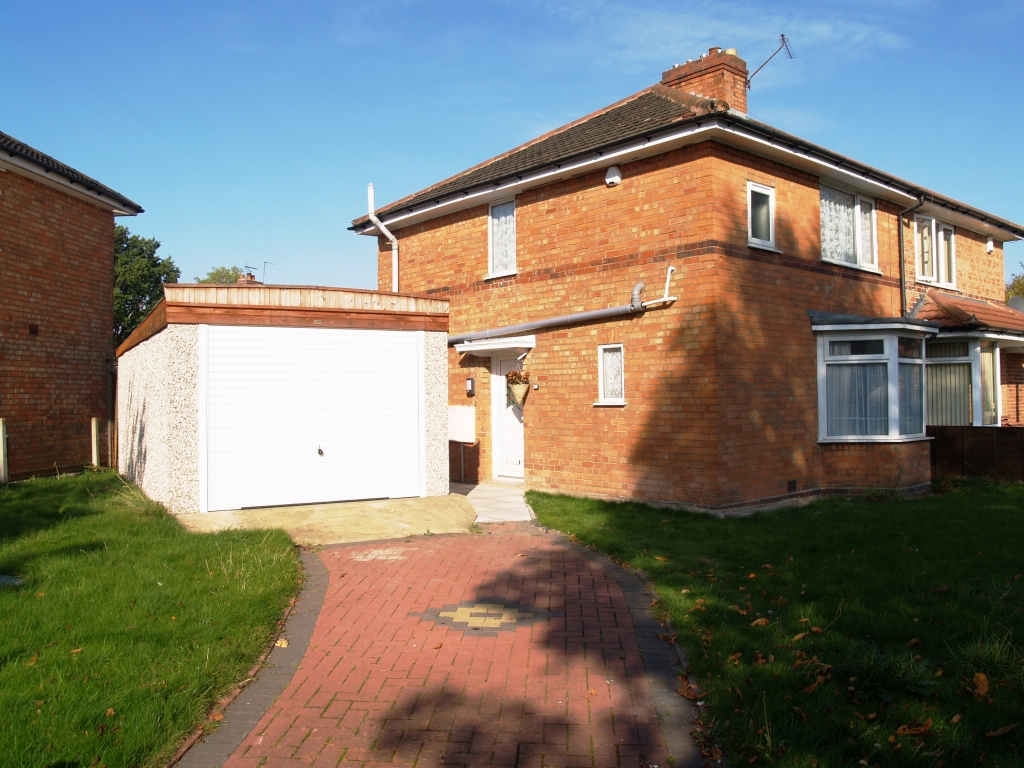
[511, 647]
[496, 501]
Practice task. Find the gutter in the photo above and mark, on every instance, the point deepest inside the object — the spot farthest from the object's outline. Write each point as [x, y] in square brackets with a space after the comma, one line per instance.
[384, 231]
[903, 264]
[635, 307]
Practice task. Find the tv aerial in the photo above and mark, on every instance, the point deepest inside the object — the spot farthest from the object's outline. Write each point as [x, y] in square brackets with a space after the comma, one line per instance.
[783, 44]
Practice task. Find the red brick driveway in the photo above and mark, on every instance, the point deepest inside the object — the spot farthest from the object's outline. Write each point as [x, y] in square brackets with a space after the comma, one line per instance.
[507, 648]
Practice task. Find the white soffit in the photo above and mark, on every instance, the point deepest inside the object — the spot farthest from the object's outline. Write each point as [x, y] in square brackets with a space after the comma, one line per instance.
[487, 347]
[713, 129]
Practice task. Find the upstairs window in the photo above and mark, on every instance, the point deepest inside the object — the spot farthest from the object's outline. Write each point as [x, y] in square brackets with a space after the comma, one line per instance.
[502, 227]
[935, 244]
[760, 216]
[848, 229]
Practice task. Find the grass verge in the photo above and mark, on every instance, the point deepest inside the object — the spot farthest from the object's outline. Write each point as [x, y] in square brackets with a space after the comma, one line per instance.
[874, 632]
[126, 628]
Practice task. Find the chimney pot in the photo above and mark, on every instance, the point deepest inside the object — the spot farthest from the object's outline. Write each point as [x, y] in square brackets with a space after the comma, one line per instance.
[713, 50]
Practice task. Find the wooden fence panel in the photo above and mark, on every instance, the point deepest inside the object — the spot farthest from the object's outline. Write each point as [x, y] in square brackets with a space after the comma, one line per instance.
[977, 452]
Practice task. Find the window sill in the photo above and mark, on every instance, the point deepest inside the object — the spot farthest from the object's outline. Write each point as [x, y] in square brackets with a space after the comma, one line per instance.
[497, 275]
[883, 439]
[762, 246]
[859, 267]
[933, 284]
[600, 404]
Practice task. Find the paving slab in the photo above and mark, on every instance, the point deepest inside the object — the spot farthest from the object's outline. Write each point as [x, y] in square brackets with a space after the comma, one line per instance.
[512, 648]
[496, 501]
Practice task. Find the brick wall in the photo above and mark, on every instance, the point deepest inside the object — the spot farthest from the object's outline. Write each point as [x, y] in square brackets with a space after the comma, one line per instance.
[56, 317]
[721, 387]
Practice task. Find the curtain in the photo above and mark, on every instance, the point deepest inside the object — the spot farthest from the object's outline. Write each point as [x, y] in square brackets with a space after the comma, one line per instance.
[611, 363]
[503, 237]
[911, 399]
[988, 383]
[857, 399]
[949, 392]
[837, 226]
[867, 233]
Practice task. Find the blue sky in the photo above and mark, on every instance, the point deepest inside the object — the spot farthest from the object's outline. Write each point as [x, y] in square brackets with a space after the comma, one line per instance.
[248, 131]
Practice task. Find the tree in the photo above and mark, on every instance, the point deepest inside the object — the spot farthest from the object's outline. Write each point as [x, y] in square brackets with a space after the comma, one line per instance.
[1015, 287]
[139, 277]
[221, 275]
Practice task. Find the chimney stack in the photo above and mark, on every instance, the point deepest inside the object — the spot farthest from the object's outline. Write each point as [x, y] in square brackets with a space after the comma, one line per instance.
[248, 279]
[718, 75]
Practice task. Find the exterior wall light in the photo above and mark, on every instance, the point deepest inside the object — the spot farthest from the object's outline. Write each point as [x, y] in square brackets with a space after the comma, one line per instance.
[990, 245]
[470, 387]
[613, 176]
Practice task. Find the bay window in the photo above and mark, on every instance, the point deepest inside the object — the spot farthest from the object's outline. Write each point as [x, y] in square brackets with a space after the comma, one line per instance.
[871, 387]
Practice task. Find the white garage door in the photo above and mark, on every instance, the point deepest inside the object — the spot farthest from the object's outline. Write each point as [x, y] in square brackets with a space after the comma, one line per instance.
[306, 415]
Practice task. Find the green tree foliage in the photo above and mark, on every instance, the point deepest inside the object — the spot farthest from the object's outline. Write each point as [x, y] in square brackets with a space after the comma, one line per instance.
[139, 277]
[1015, 287]
[221, 275]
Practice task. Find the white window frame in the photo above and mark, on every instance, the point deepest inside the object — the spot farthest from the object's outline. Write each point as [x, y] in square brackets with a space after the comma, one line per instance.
[858, 247]
[940, 278]
[601, 399]
[973, 357]
[753, 186]
[490, 240]
[890, 356]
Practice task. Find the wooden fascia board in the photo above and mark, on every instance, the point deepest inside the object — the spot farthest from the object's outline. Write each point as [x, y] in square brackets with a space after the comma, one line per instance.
[153, 323]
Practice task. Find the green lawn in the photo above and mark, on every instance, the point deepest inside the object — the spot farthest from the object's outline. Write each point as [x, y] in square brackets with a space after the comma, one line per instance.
[127, 628]
[893, 628]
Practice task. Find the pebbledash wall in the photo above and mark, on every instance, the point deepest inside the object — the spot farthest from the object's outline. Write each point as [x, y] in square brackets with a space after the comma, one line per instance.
[721, 388]
[56, 321]
[158, 416]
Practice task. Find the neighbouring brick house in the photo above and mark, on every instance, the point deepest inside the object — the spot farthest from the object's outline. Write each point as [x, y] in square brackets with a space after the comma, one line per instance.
[791, 363]
[56, 307]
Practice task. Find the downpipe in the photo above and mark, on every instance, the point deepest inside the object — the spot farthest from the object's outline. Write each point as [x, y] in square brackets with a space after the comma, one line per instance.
[903, 265]
[387, 233]
[635, 307]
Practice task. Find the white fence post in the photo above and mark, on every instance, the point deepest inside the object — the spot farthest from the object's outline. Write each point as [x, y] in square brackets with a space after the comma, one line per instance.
[5, 470]
[95, 442]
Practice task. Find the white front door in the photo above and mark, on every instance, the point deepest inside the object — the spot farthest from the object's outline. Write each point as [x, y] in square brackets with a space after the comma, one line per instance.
[506, 422]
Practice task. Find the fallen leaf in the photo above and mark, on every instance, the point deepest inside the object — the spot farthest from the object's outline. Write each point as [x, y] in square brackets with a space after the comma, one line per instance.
[799, 637]
[955, 719]
[767, 566]
[281, 642]
[811, 688]
[917, 730]
[660, 559]
[735, 658]
[174, 618]
[752, 576]
[35, 657]
[217, 716]
[667, 637]
[40, 594]
[980, 686]
[110, 712]
[438, 646]
[762, 622]
[940, 590]
[913, 642]
[684, 591]
[817, 630]
[77, 650]
[801, 713]
[686, 690]
[520, 555]
[804, 621]
[664, 521]
[1001, 732]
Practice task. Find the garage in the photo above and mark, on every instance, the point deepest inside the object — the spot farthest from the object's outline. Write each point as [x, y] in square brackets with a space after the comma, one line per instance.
[248, 396]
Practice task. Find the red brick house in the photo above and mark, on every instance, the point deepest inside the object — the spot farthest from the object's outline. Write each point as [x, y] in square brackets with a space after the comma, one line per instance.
[811, 338]
[56, 307]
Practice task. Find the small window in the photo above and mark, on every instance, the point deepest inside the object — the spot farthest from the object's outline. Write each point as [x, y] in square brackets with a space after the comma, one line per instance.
[760, 215]
[935, 244]
[847, 228]
[856, 348]
[611, 375]
[503, 239]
